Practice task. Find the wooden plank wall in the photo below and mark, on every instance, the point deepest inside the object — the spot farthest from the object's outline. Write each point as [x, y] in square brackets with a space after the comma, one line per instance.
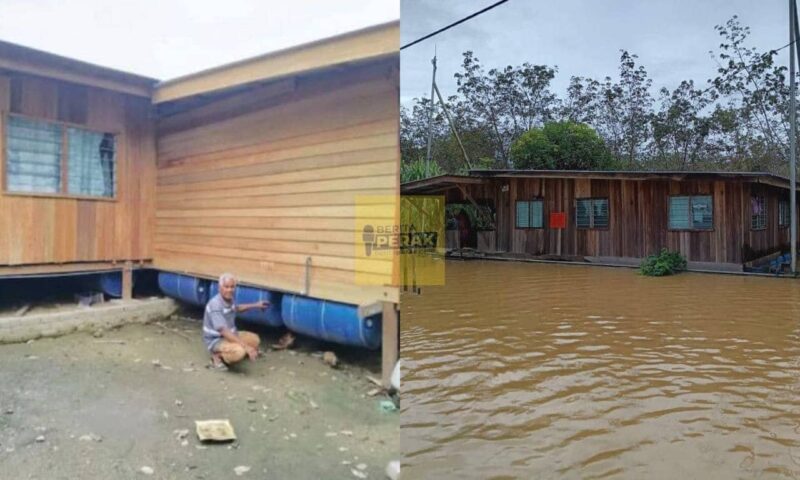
[258, 182]
[37, 230]
[638, 224]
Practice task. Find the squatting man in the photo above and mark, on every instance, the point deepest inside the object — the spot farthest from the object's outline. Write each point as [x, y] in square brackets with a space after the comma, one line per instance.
[224, 341]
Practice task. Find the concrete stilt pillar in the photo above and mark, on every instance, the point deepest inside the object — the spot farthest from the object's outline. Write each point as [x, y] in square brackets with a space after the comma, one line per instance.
[127, 281]
[390, 342]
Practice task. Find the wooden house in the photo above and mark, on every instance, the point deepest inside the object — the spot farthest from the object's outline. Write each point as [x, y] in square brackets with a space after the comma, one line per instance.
[718, 221]
[252, 167]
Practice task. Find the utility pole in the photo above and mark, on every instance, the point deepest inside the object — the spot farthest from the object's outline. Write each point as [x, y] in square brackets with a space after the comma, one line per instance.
[453, 127]
[435, 90]
[793, 134]
[430, 117]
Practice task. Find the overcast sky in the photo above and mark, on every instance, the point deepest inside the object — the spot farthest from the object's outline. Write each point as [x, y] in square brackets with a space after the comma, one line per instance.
[581, 37]
[169, 38]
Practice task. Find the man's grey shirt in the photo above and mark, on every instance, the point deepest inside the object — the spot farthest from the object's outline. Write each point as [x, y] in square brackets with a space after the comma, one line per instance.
[218, 314]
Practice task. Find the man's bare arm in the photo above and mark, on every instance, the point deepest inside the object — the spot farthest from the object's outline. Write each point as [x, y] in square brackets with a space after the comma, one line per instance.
[251, 306]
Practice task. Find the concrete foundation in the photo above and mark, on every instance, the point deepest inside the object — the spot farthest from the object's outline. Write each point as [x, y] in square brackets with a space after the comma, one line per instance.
[108, 315]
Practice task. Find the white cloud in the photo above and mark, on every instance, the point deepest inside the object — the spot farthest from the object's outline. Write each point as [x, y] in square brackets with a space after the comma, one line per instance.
[169, 38]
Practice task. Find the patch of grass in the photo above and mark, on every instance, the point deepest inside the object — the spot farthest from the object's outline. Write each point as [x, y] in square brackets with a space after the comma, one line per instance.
[665, 263]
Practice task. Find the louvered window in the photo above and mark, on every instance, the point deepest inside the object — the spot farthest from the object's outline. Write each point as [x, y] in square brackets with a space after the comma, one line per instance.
[33, 156]
[529, 214]
[591, 213]
[54, 158]
[693, 212]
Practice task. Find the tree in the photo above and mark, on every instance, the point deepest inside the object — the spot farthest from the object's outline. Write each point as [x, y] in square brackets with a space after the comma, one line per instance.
[506, 101]
[562, 146]
[581, 102]
[757, 93]
[624, 110]
[680, 128]
[739, 122]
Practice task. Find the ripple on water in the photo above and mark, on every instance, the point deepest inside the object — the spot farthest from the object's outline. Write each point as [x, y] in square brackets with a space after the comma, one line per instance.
[599, 373]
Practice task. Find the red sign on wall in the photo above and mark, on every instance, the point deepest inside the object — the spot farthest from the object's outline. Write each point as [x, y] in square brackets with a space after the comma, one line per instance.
[558, 220]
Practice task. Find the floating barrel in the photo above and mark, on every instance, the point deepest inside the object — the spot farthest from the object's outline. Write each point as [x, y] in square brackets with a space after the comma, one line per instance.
[183, 287]
[244, 294]
[331, 321]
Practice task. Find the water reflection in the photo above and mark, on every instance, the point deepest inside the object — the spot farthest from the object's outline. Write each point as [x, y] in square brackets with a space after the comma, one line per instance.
[550, 371]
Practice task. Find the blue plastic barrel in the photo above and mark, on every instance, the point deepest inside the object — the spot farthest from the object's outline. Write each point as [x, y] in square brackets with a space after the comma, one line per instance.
[331, 321]
[183, 287]
[109, 283]
[270, 317]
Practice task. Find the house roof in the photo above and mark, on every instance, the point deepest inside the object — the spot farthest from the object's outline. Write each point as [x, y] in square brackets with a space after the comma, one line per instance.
[444, 182]
[28, 60]
[360, 46]
[380, 41]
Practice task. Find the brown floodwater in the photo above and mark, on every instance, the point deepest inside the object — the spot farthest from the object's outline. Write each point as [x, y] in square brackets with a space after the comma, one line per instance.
[516, 370]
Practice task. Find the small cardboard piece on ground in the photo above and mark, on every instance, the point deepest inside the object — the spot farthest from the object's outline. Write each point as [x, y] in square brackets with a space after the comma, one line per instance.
[215, 430]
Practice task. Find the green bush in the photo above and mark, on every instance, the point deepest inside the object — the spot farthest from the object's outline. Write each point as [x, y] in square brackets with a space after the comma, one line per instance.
[665, 263]
[562, 146]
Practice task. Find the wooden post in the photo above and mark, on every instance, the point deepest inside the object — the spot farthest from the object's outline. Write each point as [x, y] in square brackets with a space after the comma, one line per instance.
[127, 281]
[391, 342]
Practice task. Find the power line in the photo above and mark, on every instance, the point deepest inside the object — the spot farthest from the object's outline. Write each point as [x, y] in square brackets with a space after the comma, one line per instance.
[453, 24]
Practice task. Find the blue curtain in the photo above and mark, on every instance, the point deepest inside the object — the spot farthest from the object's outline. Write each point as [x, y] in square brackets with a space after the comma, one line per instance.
[90, 163]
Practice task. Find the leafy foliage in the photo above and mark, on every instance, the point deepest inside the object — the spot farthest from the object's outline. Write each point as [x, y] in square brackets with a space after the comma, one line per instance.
[665, 263]
[479, 219]
[738, 122]
[418, 170]
[562, 145]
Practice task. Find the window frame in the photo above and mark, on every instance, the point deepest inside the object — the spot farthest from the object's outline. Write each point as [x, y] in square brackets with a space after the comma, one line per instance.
[63, 183]
[591, 217]
[765, 215]
[534, 199]
[782, 202]
[713, 222]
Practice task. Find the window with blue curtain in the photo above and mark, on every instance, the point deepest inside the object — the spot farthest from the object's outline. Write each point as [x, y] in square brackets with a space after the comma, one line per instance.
[691, 212]
[38, 150]
[33, 156]
[591, 213]
[530, 214]
[90, 163]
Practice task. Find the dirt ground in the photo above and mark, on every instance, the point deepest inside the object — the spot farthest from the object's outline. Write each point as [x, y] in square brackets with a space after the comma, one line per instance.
[117, 404]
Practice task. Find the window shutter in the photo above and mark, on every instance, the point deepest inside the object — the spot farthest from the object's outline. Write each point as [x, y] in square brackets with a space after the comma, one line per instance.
[679, 213]
[583, 213]
[537, 220]
[33, 156]
[523, 214]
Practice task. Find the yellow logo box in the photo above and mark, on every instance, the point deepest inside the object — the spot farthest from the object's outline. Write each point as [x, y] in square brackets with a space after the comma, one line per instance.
[399, 243]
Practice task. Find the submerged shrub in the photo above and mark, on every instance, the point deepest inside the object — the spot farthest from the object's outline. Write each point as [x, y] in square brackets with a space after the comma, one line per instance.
[665, 263]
